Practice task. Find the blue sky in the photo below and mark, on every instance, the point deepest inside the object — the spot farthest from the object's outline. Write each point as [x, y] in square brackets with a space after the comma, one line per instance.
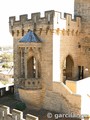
[17, 7]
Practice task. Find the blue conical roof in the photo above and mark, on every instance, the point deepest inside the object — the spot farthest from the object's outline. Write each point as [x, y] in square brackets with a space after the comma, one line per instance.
[30, 37]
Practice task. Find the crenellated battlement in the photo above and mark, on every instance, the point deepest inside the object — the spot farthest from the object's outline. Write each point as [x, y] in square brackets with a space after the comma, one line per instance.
[72, 23]
[67, 23]
[35, 18]
[52, 20]
[16, 114]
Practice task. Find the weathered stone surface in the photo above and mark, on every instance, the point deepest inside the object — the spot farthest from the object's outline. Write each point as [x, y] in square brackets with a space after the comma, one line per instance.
[63, 53]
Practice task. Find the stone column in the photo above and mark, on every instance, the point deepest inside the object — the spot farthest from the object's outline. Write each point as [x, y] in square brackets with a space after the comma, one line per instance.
[21, 62]
[36, 69]
[25, 62]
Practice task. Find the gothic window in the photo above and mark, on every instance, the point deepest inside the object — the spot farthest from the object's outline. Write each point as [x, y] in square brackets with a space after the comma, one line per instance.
[17, 32]
[68, 68]
[31, 67]
[34, 67]
[12, 33]
[22, 32]
[40, 31]
[47, 29]
[34, 29]
[22, 63]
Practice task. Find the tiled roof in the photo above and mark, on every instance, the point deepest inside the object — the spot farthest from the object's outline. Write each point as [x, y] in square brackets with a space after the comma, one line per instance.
[30, 37]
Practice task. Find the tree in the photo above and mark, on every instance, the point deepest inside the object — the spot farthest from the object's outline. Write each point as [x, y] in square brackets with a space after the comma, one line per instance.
[7, 57]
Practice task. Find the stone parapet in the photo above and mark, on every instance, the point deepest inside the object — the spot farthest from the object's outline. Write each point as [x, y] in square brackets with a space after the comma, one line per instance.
[51, 21]
[30, 83]
[16, 114]
[32, 97]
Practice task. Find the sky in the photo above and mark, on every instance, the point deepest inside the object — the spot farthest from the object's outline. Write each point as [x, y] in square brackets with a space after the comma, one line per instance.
[10, 8]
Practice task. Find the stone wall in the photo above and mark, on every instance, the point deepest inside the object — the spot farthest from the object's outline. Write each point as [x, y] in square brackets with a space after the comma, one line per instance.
[15, 115]
[77, 47]
[61, 37]
[62, 100]
[32, 97]
[82, 8]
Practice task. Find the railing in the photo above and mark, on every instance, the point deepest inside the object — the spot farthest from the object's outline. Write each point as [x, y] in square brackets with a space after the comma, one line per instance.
[30, 83]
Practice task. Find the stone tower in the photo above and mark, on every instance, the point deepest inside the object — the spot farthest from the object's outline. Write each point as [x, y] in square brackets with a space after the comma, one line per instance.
[48, 51]
[41, 48]
[33, 45]
[82, 8]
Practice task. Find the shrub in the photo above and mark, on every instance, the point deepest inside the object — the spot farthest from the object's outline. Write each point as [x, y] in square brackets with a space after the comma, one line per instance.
[20, 106]
[5, 66]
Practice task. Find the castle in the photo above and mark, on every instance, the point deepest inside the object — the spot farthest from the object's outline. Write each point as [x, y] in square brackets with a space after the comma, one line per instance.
[51, 56]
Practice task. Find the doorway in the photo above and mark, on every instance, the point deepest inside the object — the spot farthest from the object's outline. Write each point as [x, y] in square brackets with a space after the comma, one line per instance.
[68, 68]
[80, 72]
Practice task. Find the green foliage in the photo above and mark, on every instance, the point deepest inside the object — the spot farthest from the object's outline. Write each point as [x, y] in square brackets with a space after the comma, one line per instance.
[5, 66]
[4, 82]
[7, 57]
[20, 106]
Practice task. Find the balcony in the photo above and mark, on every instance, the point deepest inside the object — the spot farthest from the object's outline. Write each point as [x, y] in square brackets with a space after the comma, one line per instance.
[30, 83]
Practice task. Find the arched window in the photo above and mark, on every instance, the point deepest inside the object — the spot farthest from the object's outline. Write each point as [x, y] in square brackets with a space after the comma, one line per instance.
[68, 68]
[22, 32]
[12, 32]
[33, 68]
[17, 32]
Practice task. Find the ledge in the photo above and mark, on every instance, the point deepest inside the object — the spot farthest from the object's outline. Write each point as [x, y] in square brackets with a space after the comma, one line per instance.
[29, 44]
[30, 83]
